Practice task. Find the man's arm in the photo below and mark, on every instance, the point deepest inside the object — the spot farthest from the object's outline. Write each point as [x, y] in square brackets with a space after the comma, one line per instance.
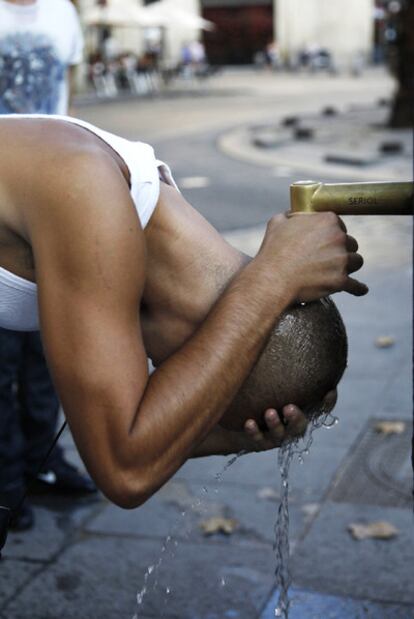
[76, 54]
[132, 431]
[71, 87]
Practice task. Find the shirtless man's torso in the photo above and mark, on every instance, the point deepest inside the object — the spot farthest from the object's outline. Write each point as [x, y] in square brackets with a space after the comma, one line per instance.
[68, 223]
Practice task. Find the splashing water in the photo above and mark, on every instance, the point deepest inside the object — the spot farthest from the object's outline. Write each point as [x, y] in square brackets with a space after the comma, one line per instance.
[219, 476]
[281, 544]
[170, 541]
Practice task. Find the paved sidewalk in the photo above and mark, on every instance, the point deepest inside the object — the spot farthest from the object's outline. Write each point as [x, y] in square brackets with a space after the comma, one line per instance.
[90, 560]
[345, 142]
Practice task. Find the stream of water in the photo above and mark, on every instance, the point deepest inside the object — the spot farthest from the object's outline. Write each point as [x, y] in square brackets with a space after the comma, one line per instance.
[170, 543]
[286, 453]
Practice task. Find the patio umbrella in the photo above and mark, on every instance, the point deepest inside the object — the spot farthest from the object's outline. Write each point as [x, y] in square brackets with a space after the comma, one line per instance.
[169, 15]
[119, 13]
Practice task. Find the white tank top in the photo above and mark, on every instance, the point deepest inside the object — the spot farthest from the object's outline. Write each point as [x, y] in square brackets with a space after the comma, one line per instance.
[18, 296]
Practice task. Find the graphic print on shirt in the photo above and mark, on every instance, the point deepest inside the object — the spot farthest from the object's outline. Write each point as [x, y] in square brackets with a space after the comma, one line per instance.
[30, 74]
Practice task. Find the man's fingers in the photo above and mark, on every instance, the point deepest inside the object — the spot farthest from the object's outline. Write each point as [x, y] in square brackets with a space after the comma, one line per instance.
[353, 286]
[252, 429]
[294, 426]
[355, 262]
[296, 420]
[351, 243]
[274, 424]
[342, 225]
[329, 400]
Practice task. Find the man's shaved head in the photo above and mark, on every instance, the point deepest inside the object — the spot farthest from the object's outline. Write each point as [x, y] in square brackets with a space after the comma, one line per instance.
[305, 357]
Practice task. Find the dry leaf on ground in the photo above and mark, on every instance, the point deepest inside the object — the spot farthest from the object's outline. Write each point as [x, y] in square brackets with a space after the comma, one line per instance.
[218, 524]
[390, 427]
[267, 493]
[384, 341]
[373, 530]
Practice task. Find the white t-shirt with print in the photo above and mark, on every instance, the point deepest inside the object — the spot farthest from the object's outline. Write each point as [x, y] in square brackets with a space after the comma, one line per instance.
[38, 42]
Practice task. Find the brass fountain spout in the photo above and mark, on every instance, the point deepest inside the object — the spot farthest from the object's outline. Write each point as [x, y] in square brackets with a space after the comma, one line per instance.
[384, 198]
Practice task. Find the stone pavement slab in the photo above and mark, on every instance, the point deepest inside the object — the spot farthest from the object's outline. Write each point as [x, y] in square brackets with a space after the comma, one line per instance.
[397, 398]
[261, 470]
[378, 469]
[310, 605]
[13, 575]
[329, 560]
[49, 535]
[179, 509]
[100, 577]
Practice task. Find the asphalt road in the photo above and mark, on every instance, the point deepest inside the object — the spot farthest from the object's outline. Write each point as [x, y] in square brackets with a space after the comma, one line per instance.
[185, 129]
[238, 195]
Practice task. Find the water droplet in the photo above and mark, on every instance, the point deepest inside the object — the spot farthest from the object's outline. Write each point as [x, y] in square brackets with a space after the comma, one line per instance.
[168, 591]
[150, 569]
[278, 612]
[329, 422]
[223, 582]
[140, 596]
[284, 483]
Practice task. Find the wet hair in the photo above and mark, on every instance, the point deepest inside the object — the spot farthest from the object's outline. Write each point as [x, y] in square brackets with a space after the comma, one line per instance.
[305, 357]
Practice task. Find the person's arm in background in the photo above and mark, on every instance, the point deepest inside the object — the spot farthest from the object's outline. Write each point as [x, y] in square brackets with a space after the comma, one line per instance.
[75, 59]
[72, 70]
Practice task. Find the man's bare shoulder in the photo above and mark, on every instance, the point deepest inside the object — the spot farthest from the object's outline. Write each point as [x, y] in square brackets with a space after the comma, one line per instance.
[83, 224]
[49, 151]
[52, 165]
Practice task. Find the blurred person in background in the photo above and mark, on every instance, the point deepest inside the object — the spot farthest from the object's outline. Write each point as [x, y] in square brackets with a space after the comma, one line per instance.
[272, 56]
[41, 42]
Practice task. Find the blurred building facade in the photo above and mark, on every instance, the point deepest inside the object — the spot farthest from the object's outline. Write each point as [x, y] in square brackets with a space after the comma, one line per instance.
[345, 30]
[244, 27]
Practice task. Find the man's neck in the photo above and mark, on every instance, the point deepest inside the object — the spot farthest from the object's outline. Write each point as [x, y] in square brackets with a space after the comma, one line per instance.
[189, 264]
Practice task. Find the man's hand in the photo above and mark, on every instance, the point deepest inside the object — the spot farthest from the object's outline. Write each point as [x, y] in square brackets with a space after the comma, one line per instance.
[312, 255]
[294, 424]
[290, 425]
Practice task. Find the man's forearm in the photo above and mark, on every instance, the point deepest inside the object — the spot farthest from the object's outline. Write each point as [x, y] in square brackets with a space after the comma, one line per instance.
[220, 442]
[187, 395]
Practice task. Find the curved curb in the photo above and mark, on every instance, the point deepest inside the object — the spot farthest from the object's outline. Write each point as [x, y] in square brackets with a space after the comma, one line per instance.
[236, 144]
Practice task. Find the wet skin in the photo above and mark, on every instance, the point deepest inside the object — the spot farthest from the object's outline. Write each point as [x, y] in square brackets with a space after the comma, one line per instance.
[304, 358]
[67, 222]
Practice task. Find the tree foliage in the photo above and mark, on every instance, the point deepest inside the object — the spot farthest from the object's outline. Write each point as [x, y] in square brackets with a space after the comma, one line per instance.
[401, 55]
